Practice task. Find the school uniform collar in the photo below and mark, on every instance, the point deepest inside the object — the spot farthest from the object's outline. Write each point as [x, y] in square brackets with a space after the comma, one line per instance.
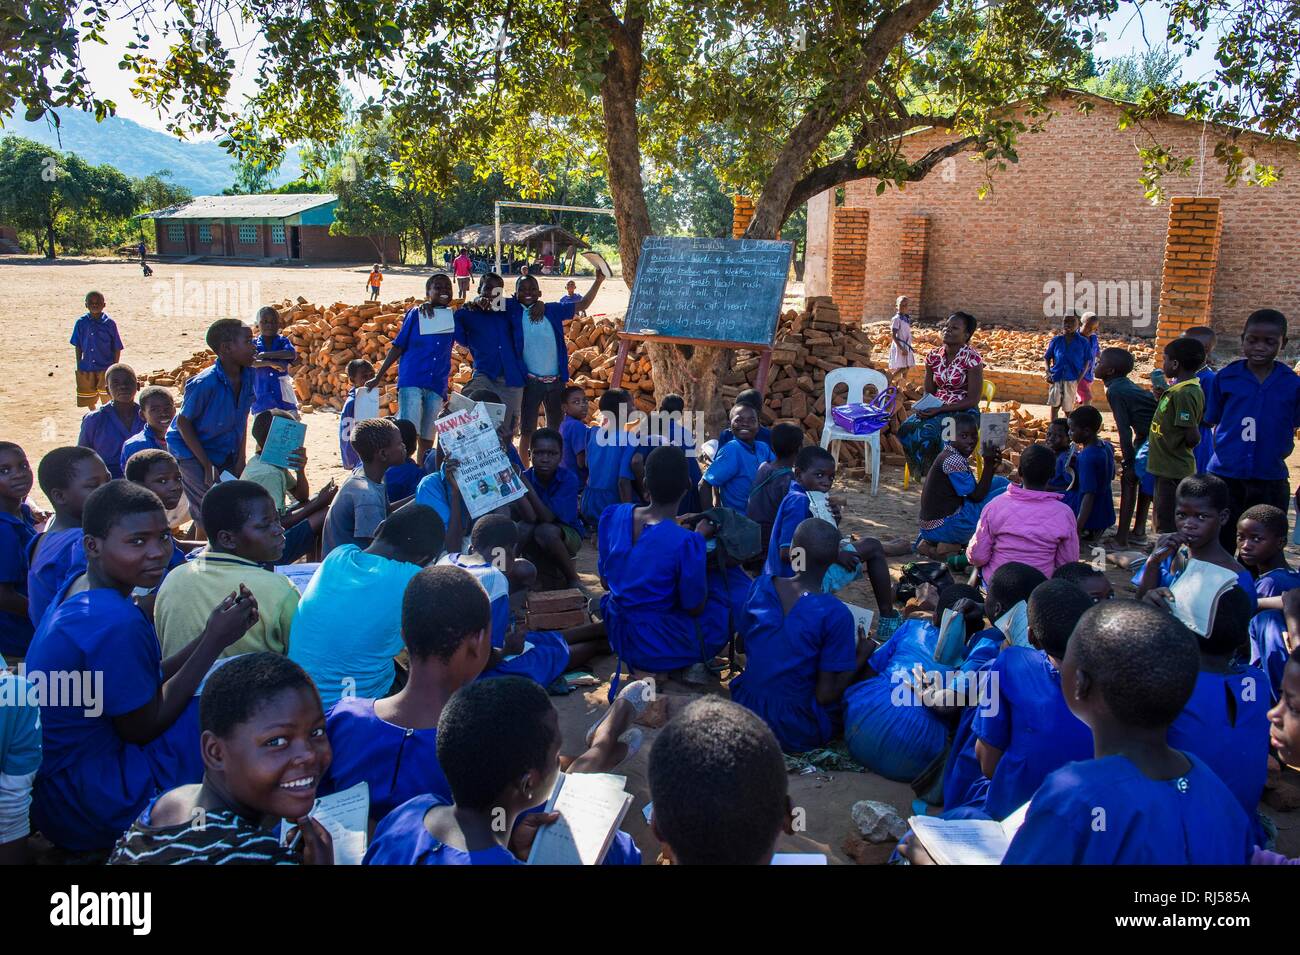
[221, 557]
[1186, 381]
[1241, 369]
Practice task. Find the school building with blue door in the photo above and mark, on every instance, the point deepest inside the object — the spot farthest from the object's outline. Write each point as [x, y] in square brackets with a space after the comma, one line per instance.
[294, 226]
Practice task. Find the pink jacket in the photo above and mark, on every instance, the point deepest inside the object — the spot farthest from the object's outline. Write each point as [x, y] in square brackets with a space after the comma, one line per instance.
[1032, 527]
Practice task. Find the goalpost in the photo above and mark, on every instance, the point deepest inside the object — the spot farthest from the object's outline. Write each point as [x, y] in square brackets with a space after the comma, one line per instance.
[500, 204]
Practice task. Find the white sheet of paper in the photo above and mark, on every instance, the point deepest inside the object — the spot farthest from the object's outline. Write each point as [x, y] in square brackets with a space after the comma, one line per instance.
[598, 261]
[1014, 624]
[862, 618]
[819, 505]
[436, 321]
[365, 405]
[345, 815]
[591, 806]
[925, 403]
[967, 841]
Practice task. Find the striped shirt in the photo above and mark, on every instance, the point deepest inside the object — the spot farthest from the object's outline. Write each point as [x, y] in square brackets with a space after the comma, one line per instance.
[220, 837]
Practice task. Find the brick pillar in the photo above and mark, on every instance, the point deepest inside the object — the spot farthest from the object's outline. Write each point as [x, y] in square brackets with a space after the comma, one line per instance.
[849, 262]
[1191, 256]
[742, 211]
[911, 266]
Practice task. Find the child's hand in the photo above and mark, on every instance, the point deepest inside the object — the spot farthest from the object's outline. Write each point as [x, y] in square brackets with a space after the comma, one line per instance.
[513, 645]
[912, 850]
[848, 559]
[1167, 545]
[317, 844]
[705, 528]
[992, 454]
[525, 832]
[232, 618]
[927, 414]
[298, 459]
[328, 492]
[372, 383]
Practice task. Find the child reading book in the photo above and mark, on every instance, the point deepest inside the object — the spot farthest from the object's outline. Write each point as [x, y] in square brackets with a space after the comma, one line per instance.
[302, 521]
[801, 651]
[249, 787]
[102, 766]
[718, 785]
[951, 498]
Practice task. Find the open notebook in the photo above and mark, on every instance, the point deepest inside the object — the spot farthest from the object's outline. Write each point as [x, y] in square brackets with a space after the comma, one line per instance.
[967, 841]
[345, 814]
[1196, 594]
[591, 806]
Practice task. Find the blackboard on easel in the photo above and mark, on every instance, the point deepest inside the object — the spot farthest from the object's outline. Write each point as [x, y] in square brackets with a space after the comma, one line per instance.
[723, 291]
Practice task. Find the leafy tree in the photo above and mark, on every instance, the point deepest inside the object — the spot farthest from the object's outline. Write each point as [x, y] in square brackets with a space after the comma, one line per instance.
[156, 191]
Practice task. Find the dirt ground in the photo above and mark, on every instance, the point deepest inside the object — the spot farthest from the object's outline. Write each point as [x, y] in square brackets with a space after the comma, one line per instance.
[162, 320]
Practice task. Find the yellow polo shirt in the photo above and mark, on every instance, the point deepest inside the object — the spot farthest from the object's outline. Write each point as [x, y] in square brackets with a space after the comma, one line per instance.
[191, 592]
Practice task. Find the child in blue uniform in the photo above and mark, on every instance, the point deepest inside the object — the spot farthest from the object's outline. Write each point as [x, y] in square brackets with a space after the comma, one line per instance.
[249, 787]
[731, 473]
[107, 429]
[107, 757]
[773, 480]
[671, 427]
[401, 480]
[609, 454]
[157, 408]
[1200, 510]
[359, 372]
[1284, 736]
[654, 573]
[1090, 498]
[814, 470]
[964, 782]
[1225, 723]
[275, 356]
[1261, 538]
[801, 651]
[754, 399]
[1128, 672]
[1204, 450]
[498, 743]
[1058, 441]
[1032, 732]
[574, 430]
[550, 530]
[17, 530]
[719, 787]
[67, 477]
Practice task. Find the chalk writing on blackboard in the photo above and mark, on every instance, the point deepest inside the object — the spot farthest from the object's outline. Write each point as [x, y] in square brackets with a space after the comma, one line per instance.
[725, 290]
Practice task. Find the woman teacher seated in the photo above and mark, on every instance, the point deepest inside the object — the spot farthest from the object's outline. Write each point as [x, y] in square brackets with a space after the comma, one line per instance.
[954, 374]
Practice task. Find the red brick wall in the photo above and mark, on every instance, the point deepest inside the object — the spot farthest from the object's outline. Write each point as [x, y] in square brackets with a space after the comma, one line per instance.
[163, 244]
[1073, 204]
[913, 243]
[742, 210]
[849, 246]
[320, 246]
[1191, 255]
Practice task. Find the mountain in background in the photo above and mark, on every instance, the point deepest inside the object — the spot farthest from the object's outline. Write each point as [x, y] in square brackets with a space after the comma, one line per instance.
[202, 167]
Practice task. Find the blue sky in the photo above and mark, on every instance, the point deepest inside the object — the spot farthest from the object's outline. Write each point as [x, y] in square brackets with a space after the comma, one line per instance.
[1124, 32]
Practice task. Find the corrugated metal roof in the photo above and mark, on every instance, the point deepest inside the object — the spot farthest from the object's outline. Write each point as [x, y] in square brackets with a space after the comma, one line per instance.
[512, 233]
[270, 206]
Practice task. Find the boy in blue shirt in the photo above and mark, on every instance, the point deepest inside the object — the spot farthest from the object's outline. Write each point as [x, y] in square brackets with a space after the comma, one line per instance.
[1090, 497]
[610, 449]
[733, 468]
[1058, 441]
[359, 372]
[1032, 732]
[719, 787]
[574, 430]
[1128, 673]
[98, 346]
[67, 477]
[1254, 406]
[210, 435]
[801, 648]
[814, 470]
[1225, 722]
[495, 342]
[550, 529]
[751, 397]
[544, 352]
[106, 758]
[106, 430]
[1066, 357]
[17, 530]
[423, 345]
[275, 356]
[157, 408]
[401, 480]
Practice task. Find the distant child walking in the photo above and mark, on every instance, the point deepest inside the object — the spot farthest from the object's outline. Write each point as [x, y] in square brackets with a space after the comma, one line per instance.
[373, 282]
[98, 346]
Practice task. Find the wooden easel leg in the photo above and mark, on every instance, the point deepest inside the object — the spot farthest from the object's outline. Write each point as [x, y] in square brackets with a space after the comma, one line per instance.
[764, 366]
[616, 380]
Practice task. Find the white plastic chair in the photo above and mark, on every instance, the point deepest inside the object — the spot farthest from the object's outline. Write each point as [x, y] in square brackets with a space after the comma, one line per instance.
[857, 380]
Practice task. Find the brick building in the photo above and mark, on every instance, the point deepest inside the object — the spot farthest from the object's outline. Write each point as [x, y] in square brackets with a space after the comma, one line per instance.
[1069, 217]
[289, 226]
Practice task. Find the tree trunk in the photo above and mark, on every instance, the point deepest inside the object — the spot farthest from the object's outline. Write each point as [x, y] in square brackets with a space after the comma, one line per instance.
[618, 94]
[49, 242]
[427, 239]
[696, 373]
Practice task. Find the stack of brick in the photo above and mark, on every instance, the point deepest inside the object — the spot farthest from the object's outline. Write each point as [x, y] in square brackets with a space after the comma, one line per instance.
[1005, 347]
[593, 347]
[1191, 258]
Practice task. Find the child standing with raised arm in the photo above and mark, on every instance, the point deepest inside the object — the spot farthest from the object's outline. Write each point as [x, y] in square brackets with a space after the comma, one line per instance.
[423, 345]
[98, 346]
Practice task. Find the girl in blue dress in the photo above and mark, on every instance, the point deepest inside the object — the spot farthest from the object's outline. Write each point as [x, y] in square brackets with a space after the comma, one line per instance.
[654, 573]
